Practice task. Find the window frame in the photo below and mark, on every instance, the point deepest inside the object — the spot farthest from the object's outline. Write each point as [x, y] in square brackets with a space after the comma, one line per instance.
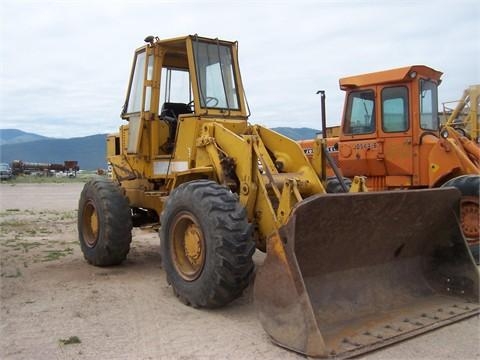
[406, 109]
[135, 75]
[166, 85]
[202, 80]
[434, 105]
[348, 114]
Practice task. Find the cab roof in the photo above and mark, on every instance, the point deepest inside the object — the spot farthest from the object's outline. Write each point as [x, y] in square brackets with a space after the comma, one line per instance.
[180, 41]
[407, 73]
[176, 48]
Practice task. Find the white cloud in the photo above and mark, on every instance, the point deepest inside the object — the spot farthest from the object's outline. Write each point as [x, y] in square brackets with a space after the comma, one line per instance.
[65, 65]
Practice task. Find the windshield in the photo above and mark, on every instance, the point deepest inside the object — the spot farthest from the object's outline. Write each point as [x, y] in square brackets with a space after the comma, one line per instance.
[428, 105]
[215, 76]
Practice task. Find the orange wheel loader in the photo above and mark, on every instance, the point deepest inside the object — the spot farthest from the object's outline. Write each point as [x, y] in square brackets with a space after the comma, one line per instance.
[391, 134]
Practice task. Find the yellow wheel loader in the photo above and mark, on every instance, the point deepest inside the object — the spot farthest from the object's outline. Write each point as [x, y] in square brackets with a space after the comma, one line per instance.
[343, 273]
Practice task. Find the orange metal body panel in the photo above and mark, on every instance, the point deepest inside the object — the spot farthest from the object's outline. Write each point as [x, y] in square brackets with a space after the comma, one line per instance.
[391, 76]
[412, 158]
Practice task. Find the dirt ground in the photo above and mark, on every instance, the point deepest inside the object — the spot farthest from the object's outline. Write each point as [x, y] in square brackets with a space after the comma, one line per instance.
[56, 306]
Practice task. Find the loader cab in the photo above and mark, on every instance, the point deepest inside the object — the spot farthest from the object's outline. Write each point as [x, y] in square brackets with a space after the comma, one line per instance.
[387, 116]
[177, 79]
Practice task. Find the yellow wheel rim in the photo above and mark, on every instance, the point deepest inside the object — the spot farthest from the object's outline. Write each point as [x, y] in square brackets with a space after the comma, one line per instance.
[188, 246]
[90, 224]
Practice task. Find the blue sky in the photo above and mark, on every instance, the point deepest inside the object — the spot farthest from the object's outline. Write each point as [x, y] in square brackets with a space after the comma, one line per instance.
[65, 64]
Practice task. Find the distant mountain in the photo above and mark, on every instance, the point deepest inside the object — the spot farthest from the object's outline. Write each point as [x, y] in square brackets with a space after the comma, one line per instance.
[14, 136]
[89, 151]
[297, 133]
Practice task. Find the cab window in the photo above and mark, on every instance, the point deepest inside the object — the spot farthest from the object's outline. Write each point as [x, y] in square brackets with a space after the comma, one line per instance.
[136, 87]
[215, 75]
[428, 105]
[395, 109]
[175, 86]
[360, 113]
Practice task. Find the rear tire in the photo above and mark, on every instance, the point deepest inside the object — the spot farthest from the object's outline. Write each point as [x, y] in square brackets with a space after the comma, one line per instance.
[104, 223]
[206, 244]
[469, 186]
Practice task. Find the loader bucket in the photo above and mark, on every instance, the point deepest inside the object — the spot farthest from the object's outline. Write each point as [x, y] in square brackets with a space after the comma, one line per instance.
[349, 273]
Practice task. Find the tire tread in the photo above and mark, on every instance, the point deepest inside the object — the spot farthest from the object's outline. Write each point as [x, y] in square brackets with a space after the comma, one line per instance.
[113, 212]
[232, 243]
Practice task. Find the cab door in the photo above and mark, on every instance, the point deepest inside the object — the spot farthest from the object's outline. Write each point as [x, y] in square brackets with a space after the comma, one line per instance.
[395, 133]
[138, 97]
[358, 150]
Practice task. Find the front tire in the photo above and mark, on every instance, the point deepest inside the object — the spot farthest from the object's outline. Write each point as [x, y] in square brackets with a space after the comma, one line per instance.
[206, 244]
[104, 223]
[469, 186]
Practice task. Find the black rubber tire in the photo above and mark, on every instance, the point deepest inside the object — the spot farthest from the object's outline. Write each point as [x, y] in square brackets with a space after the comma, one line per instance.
[469, 186]
[334, 186]
[109, 243]
[227, 267]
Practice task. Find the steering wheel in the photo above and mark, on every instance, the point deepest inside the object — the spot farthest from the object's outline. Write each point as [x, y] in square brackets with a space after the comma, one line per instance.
[209, 99]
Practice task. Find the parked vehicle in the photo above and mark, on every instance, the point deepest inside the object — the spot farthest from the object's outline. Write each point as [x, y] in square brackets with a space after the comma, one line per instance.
[5, 171]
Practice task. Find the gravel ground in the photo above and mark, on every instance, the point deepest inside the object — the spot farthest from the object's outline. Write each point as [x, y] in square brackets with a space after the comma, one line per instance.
[56, 306]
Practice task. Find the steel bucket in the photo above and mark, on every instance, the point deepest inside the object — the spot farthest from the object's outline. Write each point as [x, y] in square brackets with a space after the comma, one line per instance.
[349, 273]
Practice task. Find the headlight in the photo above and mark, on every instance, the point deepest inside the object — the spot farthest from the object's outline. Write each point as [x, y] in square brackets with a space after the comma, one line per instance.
[444, 134]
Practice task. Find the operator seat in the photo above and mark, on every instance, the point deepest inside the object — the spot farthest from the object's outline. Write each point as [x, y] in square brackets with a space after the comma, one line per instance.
[169, 113]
